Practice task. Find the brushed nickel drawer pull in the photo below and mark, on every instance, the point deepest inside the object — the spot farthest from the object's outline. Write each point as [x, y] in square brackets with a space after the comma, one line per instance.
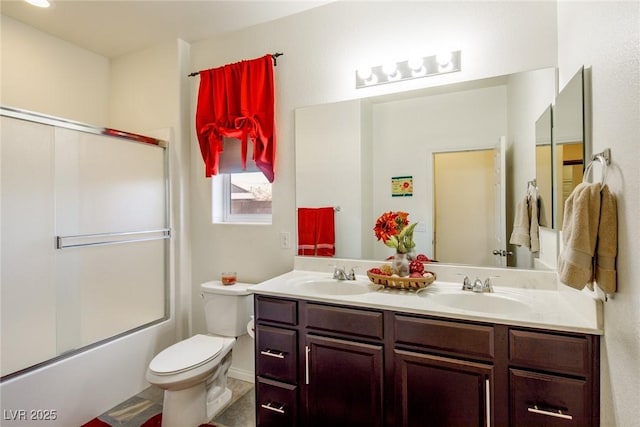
[557, 414]
[272, 353]
[306, 364]
[487, 393]
[270, 407]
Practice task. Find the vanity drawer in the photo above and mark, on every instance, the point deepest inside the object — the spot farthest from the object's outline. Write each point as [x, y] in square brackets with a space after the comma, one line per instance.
[276, 310]
[276, 355]
[451, 337]
[558, 353]
[277, 404]
[548, 400]
[345, 321]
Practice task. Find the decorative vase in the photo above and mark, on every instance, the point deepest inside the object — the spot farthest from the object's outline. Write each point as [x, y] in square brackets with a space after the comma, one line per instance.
[400, 264]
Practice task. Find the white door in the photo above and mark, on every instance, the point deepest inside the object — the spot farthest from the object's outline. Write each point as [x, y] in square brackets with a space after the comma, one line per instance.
[464, 204]
[500, 252]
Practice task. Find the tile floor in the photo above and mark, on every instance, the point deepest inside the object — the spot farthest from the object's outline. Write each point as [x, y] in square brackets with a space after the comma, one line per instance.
[136, 410]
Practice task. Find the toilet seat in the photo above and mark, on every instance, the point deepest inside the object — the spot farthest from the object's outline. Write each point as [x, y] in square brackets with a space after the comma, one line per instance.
[186, 355]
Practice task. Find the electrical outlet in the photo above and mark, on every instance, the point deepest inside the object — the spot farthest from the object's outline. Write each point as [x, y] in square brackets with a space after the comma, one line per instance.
[285, 240]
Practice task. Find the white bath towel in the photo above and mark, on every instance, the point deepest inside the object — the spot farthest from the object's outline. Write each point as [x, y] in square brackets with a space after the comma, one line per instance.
[525, 225]
[579, 234]
[521, 226]
[533, 224]
[607, 244]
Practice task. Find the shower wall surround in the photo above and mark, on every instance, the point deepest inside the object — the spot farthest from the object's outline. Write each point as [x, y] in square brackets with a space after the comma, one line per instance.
[84, 237]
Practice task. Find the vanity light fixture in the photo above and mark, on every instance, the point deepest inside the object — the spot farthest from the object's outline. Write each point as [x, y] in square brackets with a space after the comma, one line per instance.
[446, 62]
[39, 3]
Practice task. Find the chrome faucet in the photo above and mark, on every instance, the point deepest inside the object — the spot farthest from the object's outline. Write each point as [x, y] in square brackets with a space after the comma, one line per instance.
[339, 273]
[477, 285]
[466, 284]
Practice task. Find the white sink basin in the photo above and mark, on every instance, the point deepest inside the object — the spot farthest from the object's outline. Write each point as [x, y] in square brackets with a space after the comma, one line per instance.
[335, 287]
[480, 302]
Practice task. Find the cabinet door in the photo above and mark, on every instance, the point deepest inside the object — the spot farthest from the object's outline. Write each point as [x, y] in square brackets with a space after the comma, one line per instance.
[343, 383]
[440, 391]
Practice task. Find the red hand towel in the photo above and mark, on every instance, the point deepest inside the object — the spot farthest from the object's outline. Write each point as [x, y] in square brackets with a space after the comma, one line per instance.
[307, 231]
[325, 232]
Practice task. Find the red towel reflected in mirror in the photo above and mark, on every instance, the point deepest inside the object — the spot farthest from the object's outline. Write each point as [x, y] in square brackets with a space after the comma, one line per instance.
[316, 232]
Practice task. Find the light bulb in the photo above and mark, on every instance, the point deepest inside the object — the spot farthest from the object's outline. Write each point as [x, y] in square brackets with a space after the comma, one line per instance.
[444, 58]
[372, 80]
[419, 73]
[389, 68]
[416, 63]
[39, 3]
[364, 73]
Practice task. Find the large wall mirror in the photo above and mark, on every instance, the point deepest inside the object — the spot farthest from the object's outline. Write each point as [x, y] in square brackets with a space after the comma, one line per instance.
[570, 139]
[348, 154]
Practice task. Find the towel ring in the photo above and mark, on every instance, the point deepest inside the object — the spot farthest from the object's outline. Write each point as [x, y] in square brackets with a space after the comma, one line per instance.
[587, 170]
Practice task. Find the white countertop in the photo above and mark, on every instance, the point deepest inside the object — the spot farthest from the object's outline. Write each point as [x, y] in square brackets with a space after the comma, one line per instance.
[546, 307]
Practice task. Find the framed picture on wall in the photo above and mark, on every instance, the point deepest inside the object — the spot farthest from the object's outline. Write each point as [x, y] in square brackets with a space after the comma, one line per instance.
[401, 186]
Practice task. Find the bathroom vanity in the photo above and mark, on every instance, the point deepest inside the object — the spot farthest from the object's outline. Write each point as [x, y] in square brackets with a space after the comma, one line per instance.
[392, 358]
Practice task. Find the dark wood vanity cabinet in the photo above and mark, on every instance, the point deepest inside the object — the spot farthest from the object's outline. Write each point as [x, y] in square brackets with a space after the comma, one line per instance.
[322, 364]
[276, 345]
[441, 391]
[344, 366]
[318, 365]
[345, 382]
[444, 372]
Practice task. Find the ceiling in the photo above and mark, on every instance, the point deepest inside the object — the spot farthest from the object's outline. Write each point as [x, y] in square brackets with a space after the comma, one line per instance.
[116, 27]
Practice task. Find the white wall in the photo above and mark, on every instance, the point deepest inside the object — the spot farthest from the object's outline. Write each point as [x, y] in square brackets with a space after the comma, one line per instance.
[606, 37]
[47, 75]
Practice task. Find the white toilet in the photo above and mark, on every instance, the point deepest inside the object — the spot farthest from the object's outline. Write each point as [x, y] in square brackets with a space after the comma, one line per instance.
[193, 372]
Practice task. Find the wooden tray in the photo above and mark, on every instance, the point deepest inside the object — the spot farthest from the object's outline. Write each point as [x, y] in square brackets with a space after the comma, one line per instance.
[395, 282]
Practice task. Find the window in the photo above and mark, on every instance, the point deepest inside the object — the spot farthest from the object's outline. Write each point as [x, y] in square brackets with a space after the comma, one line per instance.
[241, 198]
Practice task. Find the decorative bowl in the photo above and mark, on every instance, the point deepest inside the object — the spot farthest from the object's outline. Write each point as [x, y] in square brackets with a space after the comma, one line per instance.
[396, 282]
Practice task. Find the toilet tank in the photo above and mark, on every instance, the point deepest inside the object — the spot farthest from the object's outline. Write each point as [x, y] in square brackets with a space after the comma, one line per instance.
[227, 308]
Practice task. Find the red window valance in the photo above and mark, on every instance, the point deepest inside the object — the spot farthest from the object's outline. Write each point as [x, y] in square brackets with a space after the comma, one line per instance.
[237, 101]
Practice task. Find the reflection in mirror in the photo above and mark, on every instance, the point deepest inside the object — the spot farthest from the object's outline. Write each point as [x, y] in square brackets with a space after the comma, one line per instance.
[568, 142]
[347, 154]
[468, 175]
[544, 168]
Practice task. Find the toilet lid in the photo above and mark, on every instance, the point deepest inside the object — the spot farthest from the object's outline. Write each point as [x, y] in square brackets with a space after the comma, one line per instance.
[187, 354]
[216, 287]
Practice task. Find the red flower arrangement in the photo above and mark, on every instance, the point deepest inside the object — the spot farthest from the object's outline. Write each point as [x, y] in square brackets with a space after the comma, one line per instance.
[394, 230]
